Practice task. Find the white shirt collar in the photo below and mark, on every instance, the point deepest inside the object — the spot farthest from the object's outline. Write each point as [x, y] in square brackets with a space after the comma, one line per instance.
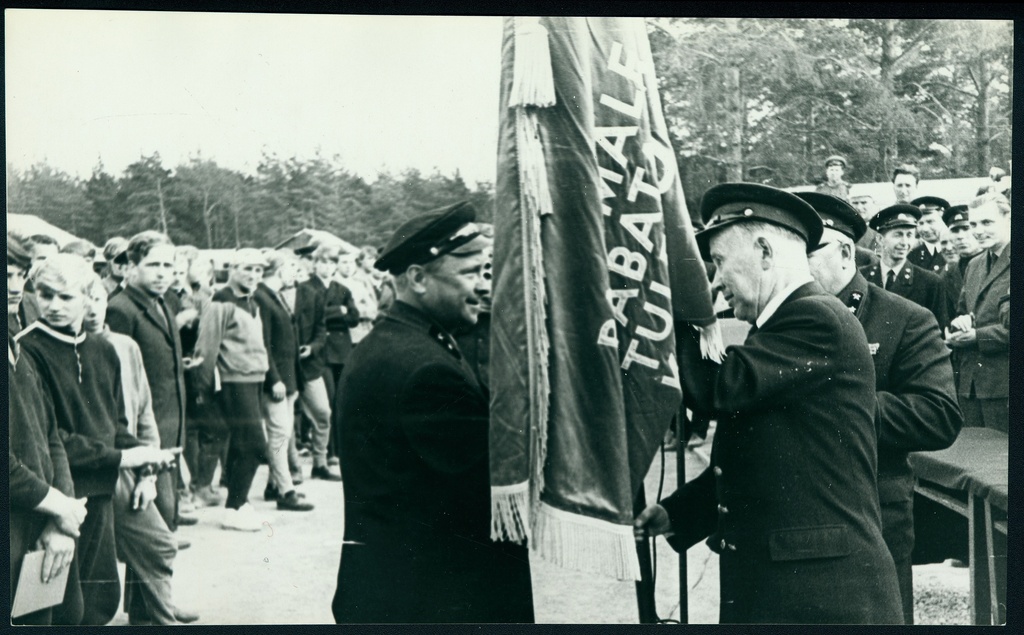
[774, 304]
[895, 271]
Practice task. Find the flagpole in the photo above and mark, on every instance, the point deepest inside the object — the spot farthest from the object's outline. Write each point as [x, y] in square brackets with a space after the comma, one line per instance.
[646, 609]
[681, 443]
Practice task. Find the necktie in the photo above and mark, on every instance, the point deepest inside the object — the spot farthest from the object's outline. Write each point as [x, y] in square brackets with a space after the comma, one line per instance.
[161, 310]
[890, 278]
[989, 261]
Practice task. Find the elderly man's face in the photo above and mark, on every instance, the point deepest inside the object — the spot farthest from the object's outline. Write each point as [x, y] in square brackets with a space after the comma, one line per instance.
[739, 272]
[453, 290]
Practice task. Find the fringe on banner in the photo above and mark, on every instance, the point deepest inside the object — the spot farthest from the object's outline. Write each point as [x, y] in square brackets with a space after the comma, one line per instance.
[533, 83]
[585, 544]
[510, 512]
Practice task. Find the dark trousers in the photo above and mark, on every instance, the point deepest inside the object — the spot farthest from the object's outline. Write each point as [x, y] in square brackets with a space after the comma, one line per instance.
[167, 497]
[986, 413]
[332, 378]
[240, 412]
[898, 532]
[96, 560]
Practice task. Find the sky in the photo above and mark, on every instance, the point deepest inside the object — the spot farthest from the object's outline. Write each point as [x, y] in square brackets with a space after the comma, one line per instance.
[383, 92]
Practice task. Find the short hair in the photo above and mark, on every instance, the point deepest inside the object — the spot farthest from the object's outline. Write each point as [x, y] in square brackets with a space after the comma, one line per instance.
[326, 252]
[82, 248]
[277, 259]
[366, 251]
[907, 169]
[68, 269]
[187, 253]
[94, 286]
[142, 243]
[755, 228]
[17, 251]
[42, 239]
[993, 198]
[114, 247]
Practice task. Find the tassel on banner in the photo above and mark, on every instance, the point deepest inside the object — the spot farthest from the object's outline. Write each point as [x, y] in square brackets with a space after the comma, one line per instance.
[510, 513]
[533, 83]
[585, 544]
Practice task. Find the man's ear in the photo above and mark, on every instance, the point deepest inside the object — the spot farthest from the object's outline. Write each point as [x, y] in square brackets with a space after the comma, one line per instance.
[765, 247]
[417, 277]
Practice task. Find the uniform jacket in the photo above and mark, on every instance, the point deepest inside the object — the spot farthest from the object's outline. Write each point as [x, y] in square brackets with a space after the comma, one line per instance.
[311, 326]
[134, 313]
[414, 457]
[280, 339]
[790, 500]
[933, 262]
[985, 367]
[915, 284]
[917, 405]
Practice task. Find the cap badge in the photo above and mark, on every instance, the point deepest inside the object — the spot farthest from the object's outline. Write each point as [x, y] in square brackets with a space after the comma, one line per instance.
[748, 212]
[829, 222]
[873, 347]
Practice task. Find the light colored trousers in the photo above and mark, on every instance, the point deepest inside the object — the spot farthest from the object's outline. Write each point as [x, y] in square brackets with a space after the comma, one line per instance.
[318, 408]
[148, 549]
[280, 420]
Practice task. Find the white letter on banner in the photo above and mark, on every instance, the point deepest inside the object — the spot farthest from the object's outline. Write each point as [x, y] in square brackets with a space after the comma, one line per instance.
[619, 298]
[633, 356]
[614, 150]
[660, 289]
[627, 263]
[606, 337]
[638, 185]
[642, 233]
[606, 190]
[666, 318]
[673, 368]
[630, 110]
[630, 70]
[662, 154]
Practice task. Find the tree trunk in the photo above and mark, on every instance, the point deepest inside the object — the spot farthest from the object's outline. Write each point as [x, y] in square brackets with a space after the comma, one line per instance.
[734, 114]
[163, 209]
[981, 118]
[207, 213]
[886, 65]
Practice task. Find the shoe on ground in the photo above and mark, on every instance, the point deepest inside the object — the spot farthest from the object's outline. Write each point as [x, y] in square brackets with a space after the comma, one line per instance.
[185, 617]
[183, 544]
[270, 493]
[207, 496]
[333, 461]
[186, 521]
[297, 477]
[324, 473]
[185, 503]
[242, 519]
[304, 452]
[292, 502]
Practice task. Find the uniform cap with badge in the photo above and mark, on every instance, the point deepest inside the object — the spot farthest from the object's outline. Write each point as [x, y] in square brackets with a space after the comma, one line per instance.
[728, 204]
[929, 204]
[957, 216]
[895, 216]
[450, 230]
[836, 214]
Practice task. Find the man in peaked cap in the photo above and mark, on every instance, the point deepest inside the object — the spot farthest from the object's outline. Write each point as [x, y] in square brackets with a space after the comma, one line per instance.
[790, 500]
[414, 447]
[898, 226]
[834, 184]
[930, 227]
[966, 245]
[916, 402]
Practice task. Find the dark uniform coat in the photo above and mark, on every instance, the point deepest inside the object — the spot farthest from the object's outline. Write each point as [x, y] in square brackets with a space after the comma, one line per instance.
[985, 367]
[311, 328]
[917, 407]
[417, 487]
[280, 339]
[340, 314]
[134, 313]
[933, 262]
[790, 500]
[917, 285]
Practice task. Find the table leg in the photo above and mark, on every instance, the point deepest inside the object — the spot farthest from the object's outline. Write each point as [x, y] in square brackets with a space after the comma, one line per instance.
[996, 548]
[981, 607]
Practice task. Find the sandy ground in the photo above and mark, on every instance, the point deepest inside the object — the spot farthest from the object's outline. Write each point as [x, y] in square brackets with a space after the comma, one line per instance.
[285, 574]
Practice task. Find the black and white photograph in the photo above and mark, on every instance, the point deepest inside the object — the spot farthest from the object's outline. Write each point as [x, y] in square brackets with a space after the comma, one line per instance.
[352, 318]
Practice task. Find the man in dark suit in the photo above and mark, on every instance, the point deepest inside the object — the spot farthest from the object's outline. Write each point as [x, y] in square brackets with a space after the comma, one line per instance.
[415, 449]
[930, 227]
[340, 314]
[281, 386]
[898, 226]
[979, 333]
[140, 312]
[790, 500]
[916, 401]
[311, 330]
[966, 246]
